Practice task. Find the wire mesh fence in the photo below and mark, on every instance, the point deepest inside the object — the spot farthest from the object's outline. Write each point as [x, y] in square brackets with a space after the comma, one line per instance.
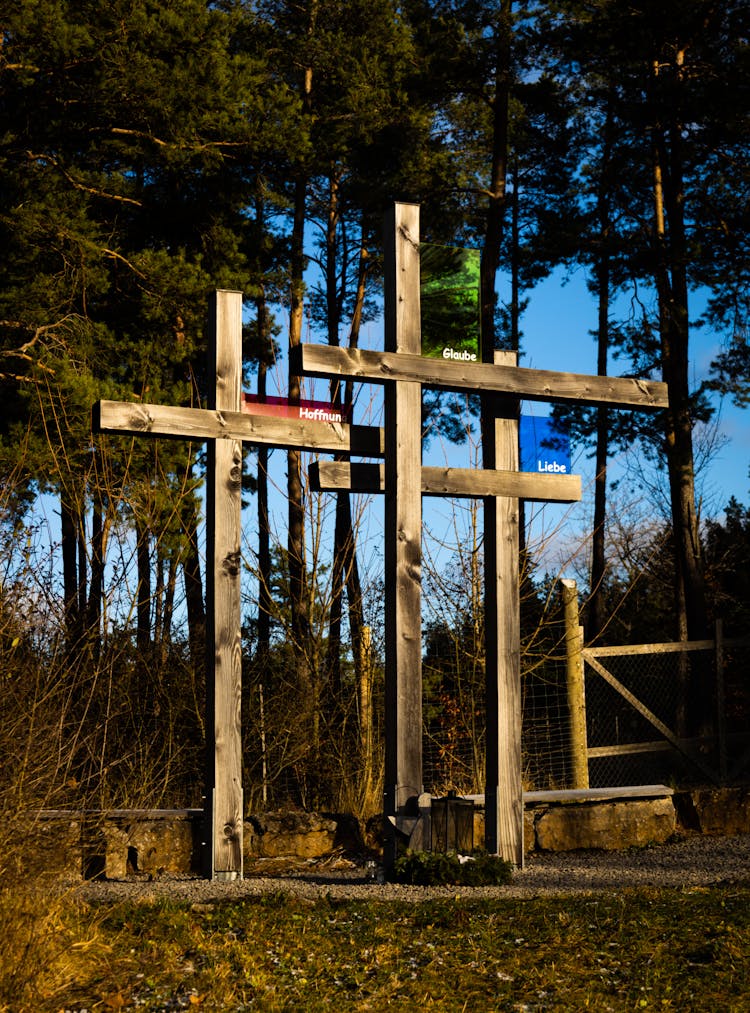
[453, 744]
[627, 717]
[638, 730]
[637, 727]
[659, 713]
[546, 751]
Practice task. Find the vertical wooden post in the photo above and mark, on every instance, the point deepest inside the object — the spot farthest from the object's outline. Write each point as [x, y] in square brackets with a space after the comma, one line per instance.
[576, 690]
[365, 710]
[403, 529]
[224, 809]
[504, 790]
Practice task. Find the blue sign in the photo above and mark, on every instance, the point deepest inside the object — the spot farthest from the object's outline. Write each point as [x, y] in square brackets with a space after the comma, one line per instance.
[545, 448]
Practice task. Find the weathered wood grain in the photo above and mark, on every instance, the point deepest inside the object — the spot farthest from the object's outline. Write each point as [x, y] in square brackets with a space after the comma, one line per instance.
[223, 567]
[599, 794]
[503, 790]
[576, 691]
[403, 527]
[136, 419]
[678, 647]
[527, 384]
[365, 477]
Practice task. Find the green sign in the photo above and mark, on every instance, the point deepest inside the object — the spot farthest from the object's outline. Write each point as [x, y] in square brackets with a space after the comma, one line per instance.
[449, 296]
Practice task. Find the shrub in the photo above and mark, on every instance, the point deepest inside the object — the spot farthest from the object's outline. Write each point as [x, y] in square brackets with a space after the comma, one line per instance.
[428, 868]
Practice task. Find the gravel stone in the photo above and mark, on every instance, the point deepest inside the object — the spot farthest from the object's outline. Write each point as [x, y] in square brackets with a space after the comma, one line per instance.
[691, 861]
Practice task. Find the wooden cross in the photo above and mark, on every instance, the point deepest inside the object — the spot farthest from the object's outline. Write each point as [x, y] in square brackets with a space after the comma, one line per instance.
[403, 370]
[224, 428]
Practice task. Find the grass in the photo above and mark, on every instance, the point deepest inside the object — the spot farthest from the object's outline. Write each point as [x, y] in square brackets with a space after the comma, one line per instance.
[635, 950]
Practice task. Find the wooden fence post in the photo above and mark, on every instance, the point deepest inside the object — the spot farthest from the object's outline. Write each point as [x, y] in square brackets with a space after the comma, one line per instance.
[576, 690]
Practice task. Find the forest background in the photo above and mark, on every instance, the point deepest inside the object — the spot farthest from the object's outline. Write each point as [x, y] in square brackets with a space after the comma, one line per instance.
[151, 152]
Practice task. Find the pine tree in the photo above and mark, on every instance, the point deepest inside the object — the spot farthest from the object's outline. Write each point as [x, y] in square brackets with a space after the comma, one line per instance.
[672, 76]
[122, 209]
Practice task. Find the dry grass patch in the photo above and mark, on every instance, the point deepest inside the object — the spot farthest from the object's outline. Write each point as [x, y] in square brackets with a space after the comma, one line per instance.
[640, 949]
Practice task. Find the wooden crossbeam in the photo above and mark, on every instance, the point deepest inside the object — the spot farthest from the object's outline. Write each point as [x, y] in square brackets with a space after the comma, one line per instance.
[137, 419]
[362, 477]
[479, 377]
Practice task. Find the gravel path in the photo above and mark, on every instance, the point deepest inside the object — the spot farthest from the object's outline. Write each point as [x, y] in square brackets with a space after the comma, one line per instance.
[692, 861]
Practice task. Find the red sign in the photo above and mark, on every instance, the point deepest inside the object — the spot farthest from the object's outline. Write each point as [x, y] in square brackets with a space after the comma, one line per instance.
[313, 411]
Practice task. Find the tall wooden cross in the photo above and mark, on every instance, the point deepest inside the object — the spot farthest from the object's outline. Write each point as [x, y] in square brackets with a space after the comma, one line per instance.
[224, 428]
[502, 384]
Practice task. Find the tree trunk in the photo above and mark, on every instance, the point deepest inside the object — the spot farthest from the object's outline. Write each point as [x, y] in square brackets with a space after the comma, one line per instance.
[264, 545]
[672, 289]
[159, 595]
[69, 549]
[265, 350]
[191, 569]
[82, 569]
[96, 585]
[498, 178]
[143, 603]
[298, 588]
[596, 606]
[338, 573]
[341, 532]
[671, 284]
[166, 625]
[361, 645]
[515, 336]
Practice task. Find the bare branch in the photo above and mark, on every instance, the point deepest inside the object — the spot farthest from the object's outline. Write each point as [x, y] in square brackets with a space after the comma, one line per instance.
[118, 256]
[81, 186]
[204, 146]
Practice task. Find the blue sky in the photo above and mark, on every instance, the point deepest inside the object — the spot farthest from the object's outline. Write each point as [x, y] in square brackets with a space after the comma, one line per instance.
[556, 335]
[557, 330]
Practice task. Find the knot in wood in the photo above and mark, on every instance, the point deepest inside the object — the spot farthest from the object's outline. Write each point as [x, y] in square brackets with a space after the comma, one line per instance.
[141, 420]
[414, 573]
[231, 563]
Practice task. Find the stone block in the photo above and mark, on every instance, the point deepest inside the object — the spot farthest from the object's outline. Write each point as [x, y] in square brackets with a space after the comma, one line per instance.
[717, 811]
[529, 831]
[116, 842]
[479, 827]
[160, 845]
[609, 826]
[289, 834]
